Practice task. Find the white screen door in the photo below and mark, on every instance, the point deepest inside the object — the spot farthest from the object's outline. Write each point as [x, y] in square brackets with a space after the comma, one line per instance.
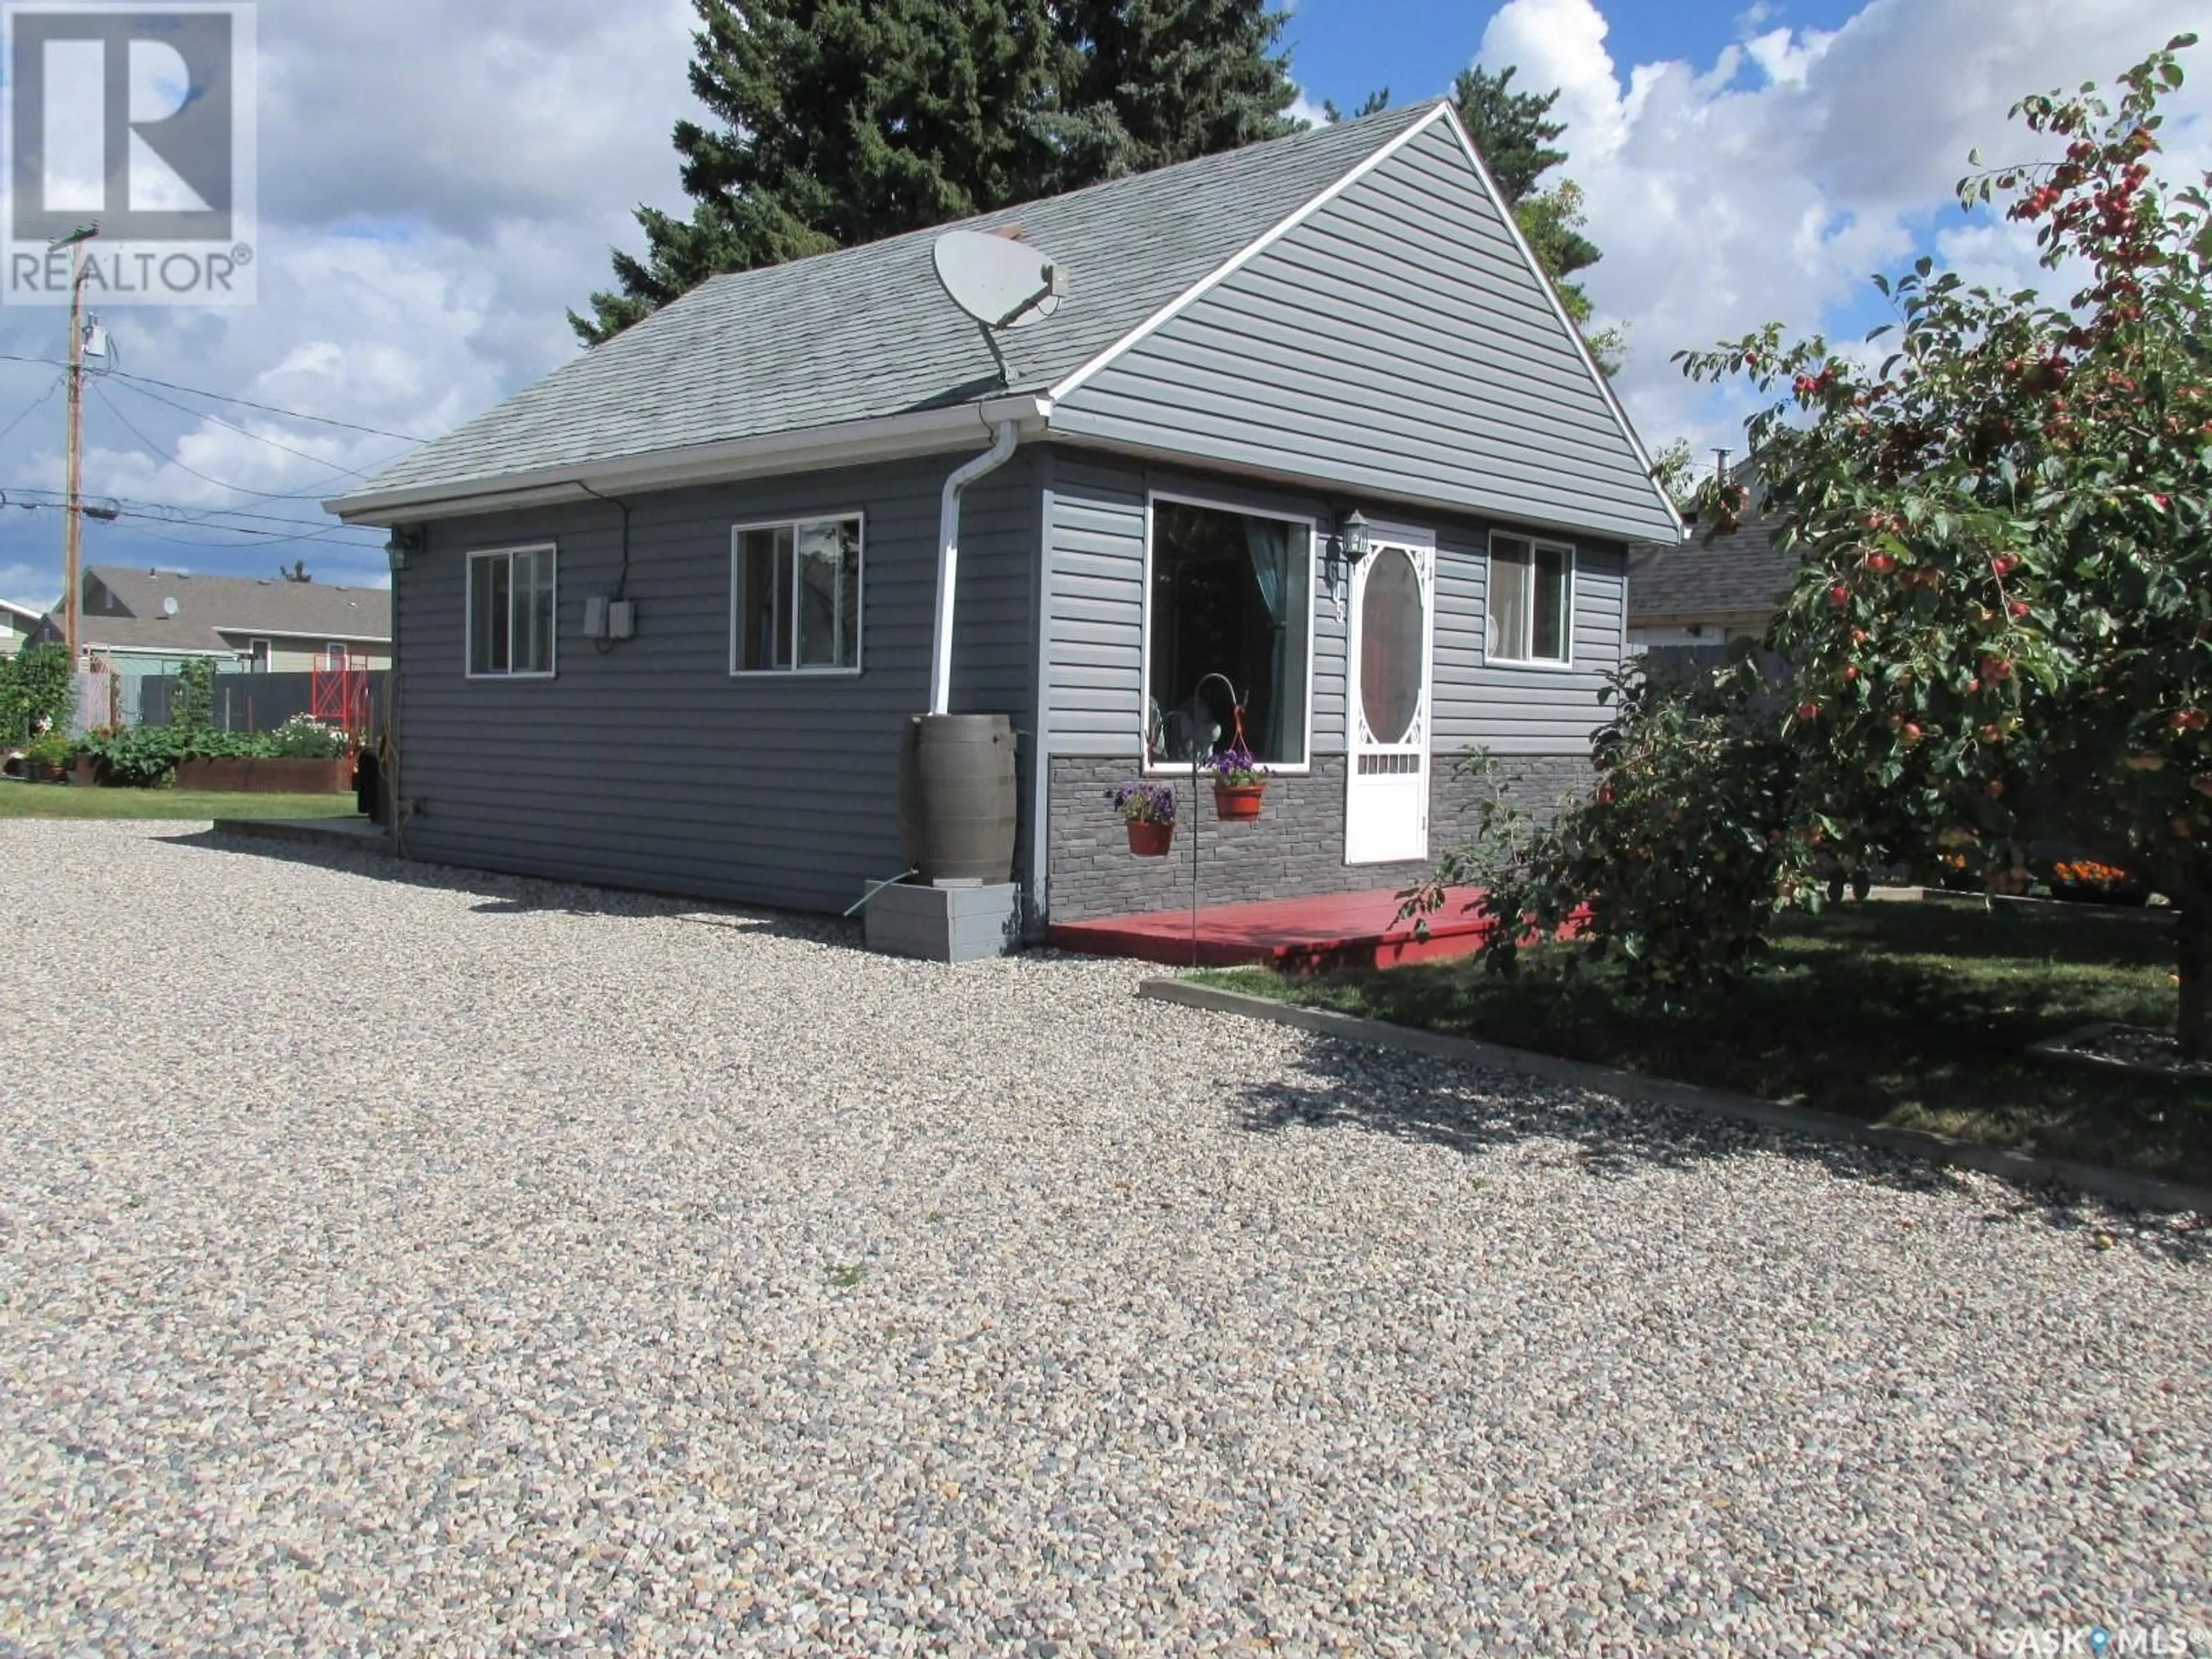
[1386, 808]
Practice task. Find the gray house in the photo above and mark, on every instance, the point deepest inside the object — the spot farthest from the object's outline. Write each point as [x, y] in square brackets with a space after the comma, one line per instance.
[661, 618]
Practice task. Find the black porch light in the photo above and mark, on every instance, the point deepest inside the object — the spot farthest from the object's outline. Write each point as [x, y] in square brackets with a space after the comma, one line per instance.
[1352, 535]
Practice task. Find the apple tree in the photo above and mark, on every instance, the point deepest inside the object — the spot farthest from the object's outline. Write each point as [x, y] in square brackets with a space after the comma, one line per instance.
[2001, 631]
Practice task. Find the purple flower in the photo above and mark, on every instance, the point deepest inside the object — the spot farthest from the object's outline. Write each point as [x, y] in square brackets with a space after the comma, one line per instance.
[1145, 802]
[1237, 768]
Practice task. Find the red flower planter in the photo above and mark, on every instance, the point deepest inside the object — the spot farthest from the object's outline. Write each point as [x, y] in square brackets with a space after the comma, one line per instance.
[1150, 839]
[1237, 803]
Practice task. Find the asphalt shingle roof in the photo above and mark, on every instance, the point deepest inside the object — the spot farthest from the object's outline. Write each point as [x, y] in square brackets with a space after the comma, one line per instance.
[235, 605]
[1739, 575]
[866, 332]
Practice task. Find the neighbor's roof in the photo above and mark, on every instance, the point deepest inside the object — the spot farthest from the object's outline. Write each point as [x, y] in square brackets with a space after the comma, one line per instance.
[21, 612]
[1738, 576]
[864, 333]
[210, 608]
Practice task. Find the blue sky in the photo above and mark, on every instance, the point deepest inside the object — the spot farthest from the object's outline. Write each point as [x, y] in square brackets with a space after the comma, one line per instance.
[426, 225]
[1342, 50]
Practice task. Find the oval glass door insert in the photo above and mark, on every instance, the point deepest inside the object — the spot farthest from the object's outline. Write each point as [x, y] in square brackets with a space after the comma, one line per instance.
[1393, 625]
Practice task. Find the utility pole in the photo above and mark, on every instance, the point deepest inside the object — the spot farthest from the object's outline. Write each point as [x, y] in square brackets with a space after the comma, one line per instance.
[73, 514]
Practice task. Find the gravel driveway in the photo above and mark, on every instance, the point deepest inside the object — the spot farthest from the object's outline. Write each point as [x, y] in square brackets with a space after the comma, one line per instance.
[434, 1262]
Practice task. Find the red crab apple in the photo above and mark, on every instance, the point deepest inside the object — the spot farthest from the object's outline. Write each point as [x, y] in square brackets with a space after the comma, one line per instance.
[2191, 720]
[1839, 596]
[1808, 711]
[1880, 563]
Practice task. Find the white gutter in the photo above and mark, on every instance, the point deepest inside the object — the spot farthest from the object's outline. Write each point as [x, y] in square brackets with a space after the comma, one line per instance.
[948, 558]
[887, 438]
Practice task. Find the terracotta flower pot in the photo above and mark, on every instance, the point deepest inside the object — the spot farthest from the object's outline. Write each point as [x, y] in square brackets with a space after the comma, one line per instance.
[1237, 803]
[1149, 839]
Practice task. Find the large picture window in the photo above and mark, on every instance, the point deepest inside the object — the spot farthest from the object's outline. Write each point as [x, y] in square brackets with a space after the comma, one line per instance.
[1532, 601]
[510, 613]
[1232, 597]
[795, 597]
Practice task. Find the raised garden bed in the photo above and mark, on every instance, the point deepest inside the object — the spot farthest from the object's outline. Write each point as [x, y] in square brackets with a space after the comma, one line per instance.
[268, 777]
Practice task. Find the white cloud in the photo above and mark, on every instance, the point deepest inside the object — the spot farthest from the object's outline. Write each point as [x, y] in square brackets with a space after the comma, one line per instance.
[439, 185]
[1768, 185]
[1305, 112]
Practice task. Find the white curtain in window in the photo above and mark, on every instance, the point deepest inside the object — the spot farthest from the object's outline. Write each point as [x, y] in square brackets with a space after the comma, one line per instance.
[1509, 599]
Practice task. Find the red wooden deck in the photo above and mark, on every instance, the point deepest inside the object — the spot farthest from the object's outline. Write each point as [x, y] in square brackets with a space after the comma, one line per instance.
[1300, 935]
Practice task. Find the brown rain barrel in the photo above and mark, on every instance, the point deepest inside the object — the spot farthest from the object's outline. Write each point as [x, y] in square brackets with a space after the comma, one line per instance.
[956, 797]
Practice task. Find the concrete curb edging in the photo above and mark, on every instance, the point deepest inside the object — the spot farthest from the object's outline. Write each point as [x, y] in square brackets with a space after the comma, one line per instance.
[307, 832]
[2139, 1191]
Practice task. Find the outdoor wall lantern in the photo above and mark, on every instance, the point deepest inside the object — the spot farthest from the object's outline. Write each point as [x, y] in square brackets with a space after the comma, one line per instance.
[1352, 537]
[398, 547]
[1346, 550]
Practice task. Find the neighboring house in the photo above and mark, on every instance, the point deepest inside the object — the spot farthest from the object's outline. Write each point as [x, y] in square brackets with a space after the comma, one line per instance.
[153, 622]
[1698, 596]
[18, 623]
[1253, 346]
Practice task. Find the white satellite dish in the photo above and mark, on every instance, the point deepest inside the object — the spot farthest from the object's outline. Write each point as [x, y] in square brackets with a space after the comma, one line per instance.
[999, 282]
[168, 607]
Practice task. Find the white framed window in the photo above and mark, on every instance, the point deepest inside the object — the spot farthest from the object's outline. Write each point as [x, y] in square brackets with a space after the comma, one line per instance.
[257, 656]
[1532, 601]
[339, 655]
[512, 602]
[796, 595]
[1229, 595]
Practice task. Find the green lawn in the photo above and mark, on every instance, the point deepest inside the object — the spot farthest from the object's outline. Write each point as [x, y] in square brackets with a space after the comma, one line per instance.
[54, 800]
[1913, 1014]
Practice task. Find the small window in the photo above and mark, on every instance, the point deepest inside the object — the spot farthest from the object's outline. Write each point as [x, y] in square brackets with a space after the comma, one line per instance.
[795, 597]
[257, 656]
[340, 658]
[1532, 587]
[510, 613]
[1232, 601]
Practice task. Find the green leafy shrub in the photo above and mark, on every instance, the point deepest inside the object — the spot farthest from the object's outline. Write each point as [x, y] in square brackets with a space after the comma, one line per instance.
[53, 747]
[136, 758]
[305, 738]
[37, 690]
[1676, 863]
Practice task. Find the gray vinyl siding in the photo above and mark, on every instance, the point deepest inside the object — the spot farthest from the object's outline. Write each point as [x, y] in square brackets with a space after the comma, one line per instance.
[1094, 628]
[1395, 344]
[647, 764]
[1510, 708]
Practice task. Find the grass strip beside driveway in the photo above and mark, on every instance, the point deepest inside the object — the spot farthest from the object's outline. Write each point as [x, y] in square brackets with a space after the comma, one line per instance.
[52, 800]
[1915, 1015]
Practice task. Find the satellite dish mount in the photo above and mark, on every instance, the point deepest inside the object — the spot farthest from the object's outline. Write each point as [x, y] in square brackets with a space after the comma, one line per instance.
[1001, 281]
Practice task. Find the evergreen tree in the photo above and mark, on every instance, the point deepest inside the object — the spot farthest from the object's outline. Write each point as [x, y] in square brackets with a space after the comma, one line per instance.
[1513, 130]
[1517, 135]
[838, 122]
[1158, 81]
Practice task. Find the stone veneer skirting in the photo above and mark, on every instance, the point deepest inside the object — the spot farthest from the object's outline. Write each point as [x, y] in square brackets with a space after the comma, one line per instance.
[1297, 848]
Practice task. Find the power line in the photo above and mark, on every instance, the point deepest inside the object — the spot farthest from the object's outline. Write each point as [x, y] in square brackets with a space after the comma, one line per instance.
[293, 530]
[163, 455]
[269, 537]
[185, 514]
[34, 406]
[225, 397]
[203, 414]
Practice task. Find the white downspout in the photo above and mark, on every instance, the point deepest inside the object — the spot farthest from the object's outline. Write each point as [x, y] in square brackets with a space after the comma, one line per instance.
[948, 559]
